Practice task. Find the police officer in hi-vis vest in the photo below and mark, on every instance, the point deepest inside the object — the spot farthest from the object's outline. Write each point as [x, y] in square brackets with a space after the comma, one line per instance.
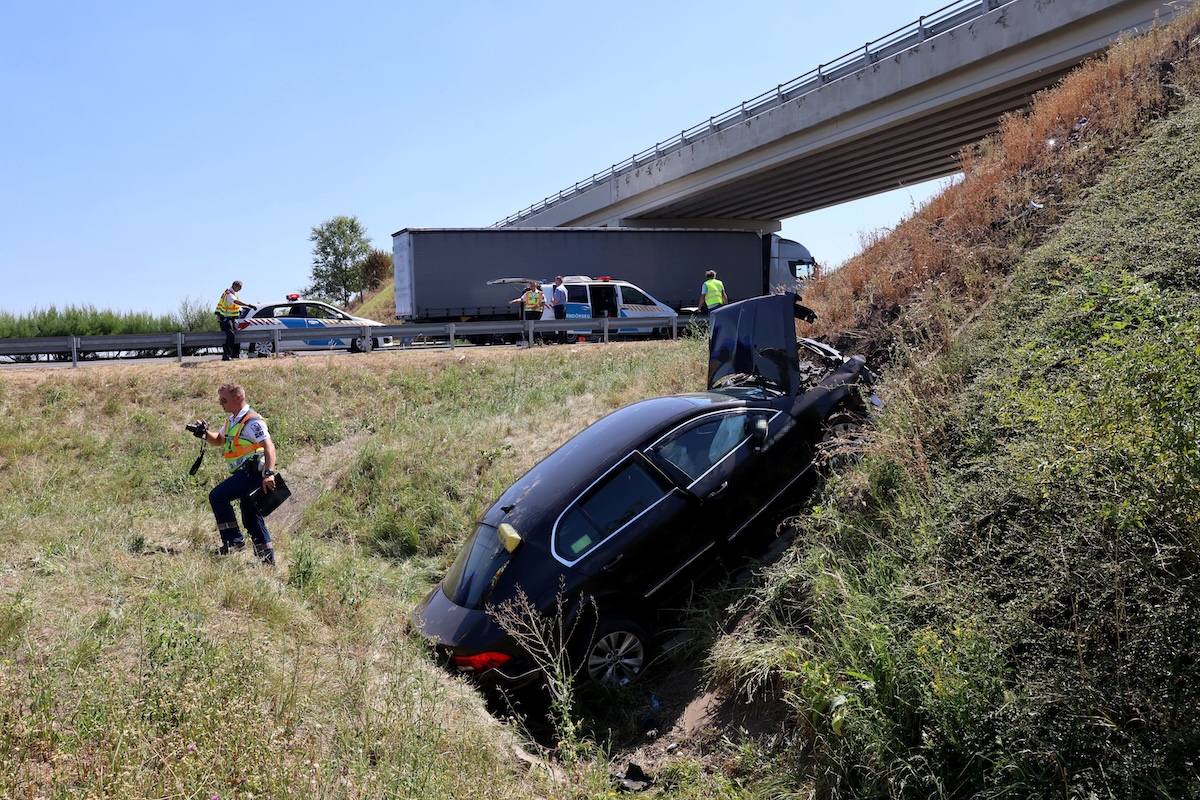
[712, 293]
[531, 302]
[228, 310]
[250, 456]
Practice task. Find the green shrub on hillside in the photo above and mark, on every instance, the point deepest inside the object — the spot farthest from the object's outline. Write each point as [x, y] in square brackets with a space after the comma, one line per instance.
[88, 320]
[1005, 600]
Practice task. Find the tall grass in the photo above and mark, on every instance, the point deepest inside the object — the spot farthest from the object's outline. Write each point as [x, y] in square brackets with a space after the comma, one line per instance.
[135, 664]
[1002, 601]
[919, 281]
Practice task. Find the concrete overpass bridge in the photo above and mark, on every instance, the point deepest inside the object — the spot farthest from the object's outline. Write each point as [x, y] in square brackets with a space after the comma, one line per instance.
[892, 113]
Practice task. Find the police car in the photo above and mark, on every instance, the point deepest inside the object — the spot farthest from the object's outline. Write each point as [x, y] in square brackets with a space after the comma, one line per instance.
[296, 314]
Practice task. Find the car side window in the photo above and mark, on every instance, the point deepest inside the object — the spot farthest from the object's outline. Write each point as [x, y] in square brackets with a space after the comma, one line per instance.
[694, 450]
[577, 294]
[319, 312]
[618, 499]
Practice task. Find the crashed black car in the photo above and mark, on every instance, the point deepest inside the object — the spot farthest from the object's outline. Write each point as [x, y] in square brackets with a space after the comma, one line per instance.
[631, 511]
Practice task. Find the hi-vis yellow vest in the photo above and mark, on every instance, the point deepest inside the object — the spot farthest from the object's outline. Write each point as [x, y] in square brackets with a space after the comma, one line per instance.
[228, 308]
[713, 292]
[533, 299]
[238, 448]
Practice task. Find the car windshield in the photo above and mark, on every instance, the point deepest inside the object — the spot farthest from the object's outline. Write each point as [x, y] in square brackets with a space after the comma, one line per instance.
[473, 575]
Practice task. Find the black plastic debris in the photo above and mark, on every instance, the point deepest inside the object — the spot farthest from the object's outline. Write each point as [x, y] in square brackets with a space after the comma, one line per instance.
[633, 779]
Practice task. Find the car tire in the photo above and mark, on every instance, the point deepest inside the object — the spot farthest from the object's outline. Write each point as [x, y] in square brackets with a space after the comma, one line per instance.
[358, 344]
[263, 349]
[616, 653]
[842, 433]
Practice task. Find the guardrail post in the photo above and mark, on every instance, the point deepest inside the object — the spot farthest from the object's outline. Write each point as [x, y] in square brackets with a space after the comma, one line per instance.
[604, 327]
[74, 351]
[674, 328]
[275, 341]
[179, 347]
[450, 333]
[367, 339]
[529, 332]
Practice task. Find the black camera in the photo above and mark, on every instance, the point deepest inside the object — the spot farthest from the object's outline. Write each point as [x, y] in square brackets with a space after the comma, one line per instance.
[198, 429]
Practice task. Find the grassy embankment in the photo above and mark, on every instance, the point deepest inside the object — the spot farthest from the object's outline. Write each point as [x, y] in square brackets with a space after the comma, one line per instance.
[137, 665]
[1003, 600]
[999, 602]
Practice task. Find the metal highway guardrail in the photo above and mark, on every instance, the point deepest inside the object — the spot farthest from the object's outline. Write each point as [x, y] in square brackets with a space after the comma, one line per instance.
[944, 19]
[450, 334]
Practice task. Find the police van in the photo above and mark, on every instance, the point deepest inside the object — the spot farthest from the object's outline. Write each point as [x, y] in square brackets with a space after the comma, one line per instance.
[596, 298]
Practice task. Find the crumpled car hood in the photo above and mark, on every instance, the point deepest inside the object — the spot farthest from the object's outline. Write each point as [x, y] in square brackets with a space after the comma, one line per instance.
[755, 337]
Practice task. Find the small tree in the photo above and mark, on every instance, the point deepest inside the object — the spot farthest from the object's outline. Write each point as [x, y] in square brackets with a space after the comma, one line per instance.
[377, 269]
[340, 248]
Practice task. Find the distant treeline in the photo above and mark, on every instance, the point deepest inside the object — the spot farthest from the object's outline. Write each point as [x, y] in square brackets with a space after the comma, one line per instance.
[193, 315]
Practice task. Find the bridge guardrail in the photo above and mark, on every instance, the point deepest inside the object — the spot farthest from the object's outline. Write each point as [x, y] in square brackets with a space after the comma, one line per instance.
[184, 343]
[946, 18]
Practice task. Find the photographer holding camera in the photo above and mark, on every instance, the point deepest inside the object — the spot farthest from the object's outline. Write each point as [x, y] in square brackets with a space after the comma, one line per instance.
[250, 456]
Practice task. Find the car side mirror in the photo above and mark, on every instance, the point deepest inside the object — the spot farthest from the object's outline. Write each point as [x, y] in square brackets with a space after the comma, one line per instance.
[758, 432]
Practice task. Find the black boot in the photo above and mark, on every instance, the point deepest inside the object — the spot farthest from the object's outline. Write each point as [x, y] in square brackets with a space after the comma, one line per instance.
[265, 555]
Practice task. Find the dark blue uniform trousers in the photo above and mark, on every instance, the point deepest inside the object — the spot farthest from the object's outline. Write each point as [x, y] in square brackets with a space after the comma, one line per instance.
[238, 486]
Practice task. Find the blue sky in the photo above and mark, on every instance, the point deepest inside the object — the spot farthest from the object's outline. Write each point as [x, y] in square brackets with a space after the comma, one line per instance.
[155, 151]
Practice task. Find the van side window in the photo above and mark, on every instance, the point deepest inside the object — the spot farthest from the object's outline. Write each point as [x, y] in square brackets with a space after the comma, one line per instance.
[577, 294]
[635, 297]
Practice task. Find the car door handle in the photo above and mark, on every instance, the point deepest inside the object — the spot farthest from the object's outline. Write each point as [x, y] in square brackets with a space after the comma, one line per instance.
[608, 567]
[717, 492]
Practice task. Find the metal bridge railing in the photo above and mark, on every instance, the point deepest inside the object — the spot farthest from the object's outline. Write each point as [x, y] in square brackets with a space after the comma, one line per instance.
[925, 27]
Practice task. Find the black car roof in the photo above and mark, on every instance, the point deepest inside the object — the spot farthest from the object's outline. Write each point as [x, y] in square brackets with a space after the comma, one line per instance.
[560, 477]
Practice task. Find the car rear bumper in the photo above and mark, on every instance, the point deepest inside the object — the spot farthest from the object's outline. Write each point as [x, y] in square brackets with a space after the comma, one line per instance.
[456, 631]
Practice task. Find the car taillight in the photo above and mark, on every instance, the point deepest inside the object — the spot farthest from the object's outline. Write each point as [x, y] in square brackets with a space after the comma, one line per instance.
[479, 662]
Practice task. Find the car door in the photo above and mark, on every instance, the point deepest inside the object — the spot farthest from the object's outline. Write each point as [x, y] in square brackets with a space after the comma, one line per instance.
[578, 306]
[319, 320]
[624, 531]
[719, 460]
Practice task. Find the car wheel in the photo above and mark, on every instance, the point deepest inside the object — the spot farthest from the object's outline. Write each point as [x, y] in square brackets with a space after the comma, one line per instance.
[358, 344]
[842, 433]
[617, 653]
[262, 349]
